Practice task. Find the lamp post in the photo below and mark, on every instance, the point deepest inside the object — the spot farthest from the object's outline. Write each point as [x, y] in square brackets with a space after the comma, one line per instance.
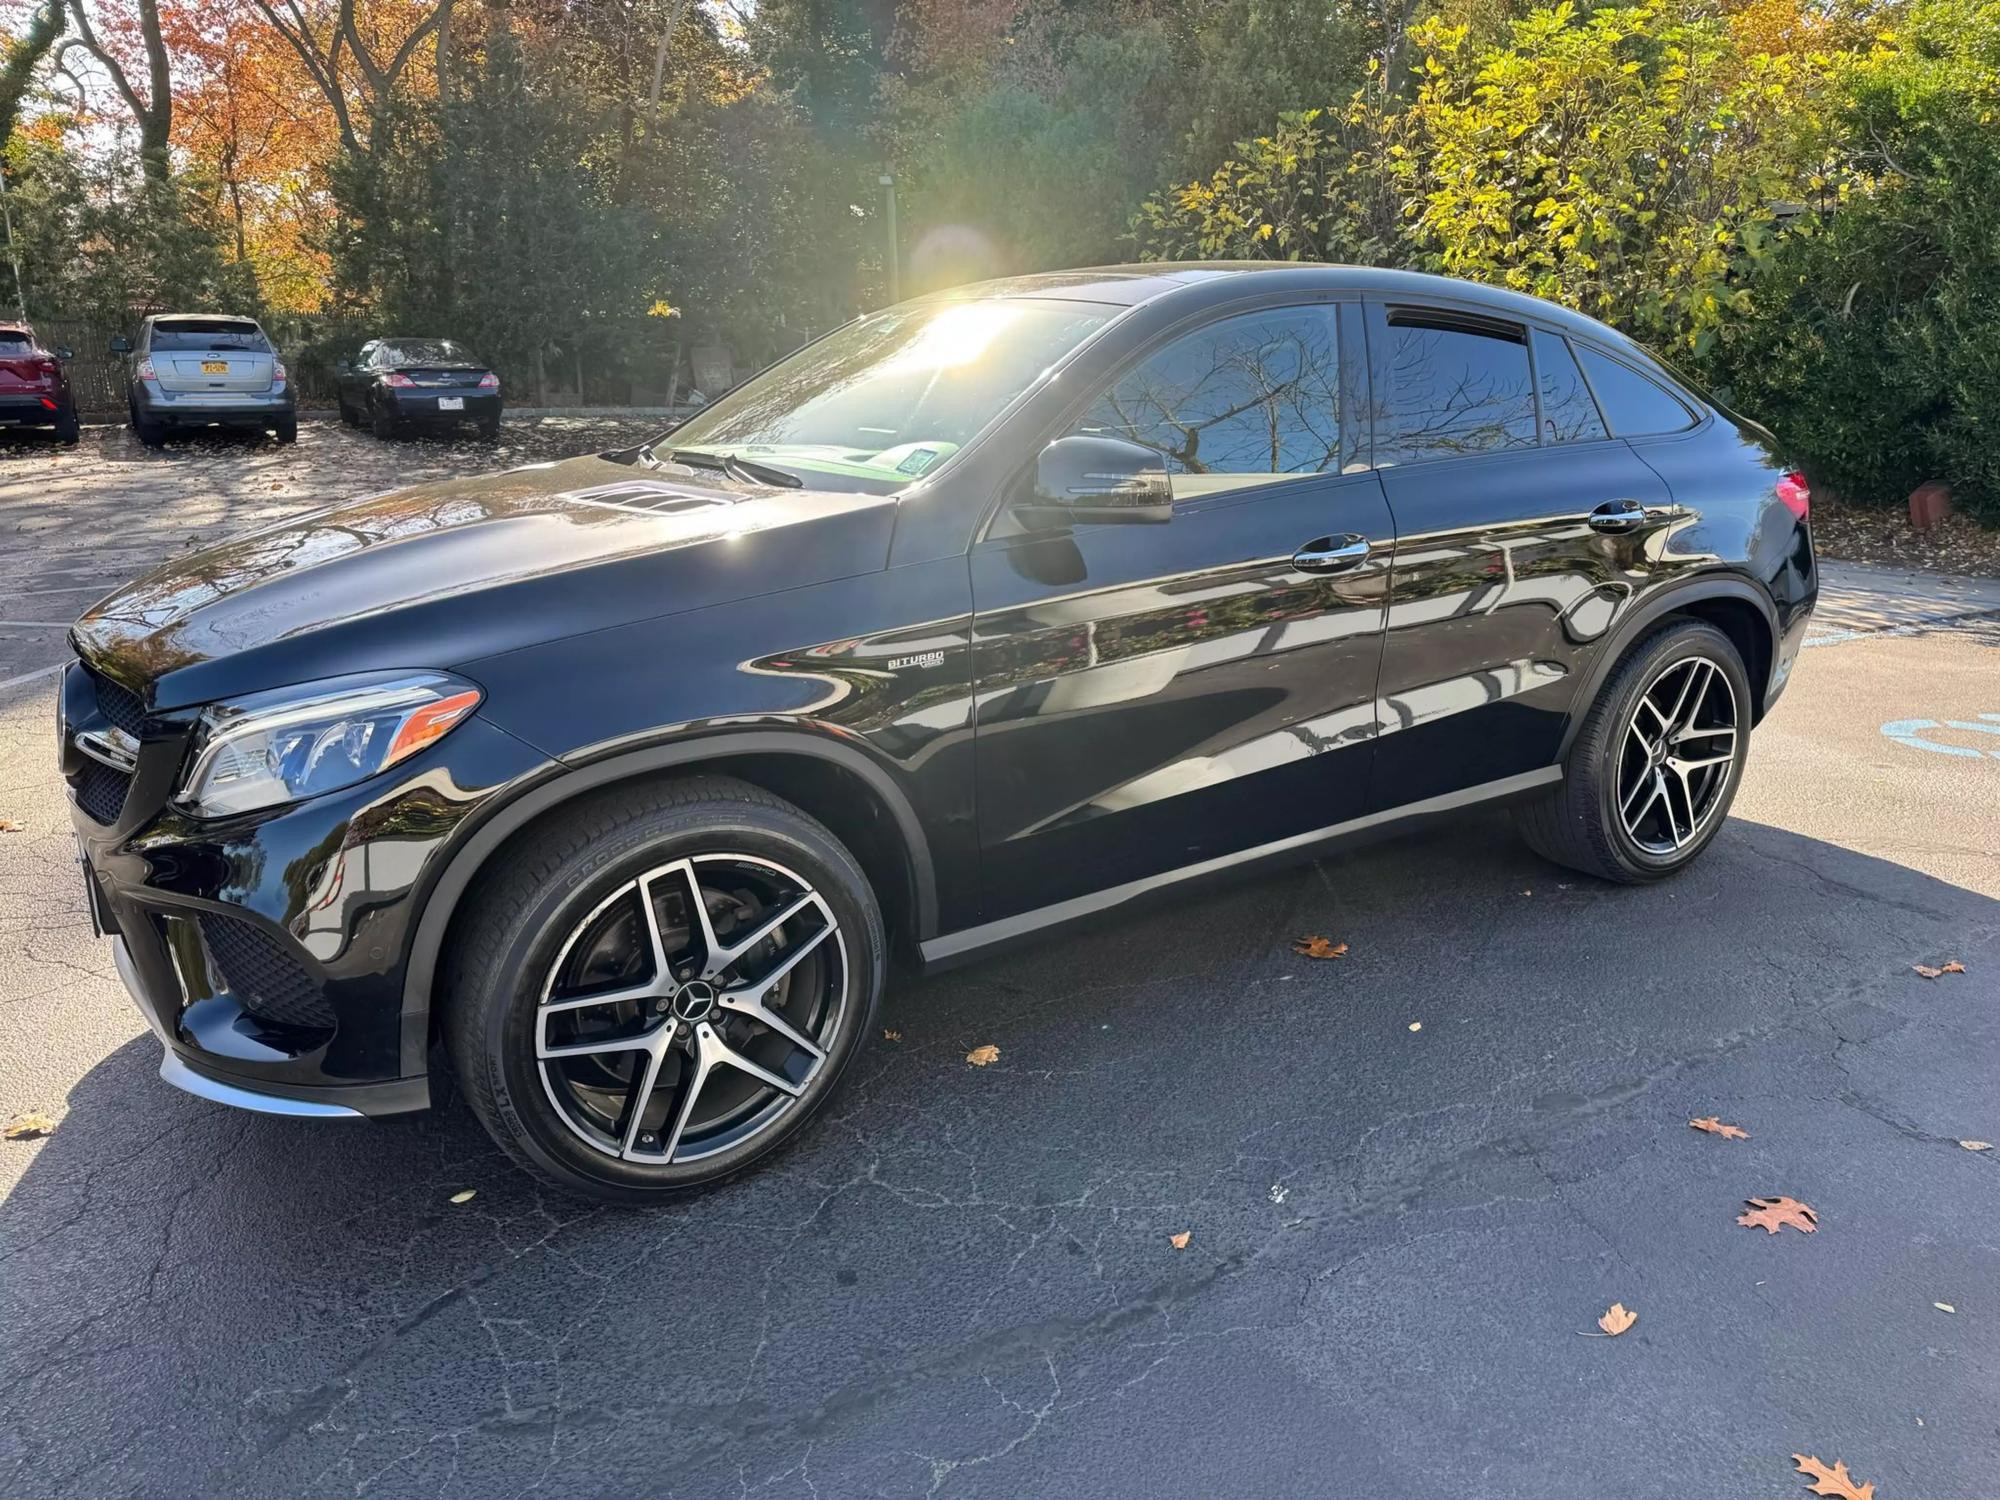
[888, 181]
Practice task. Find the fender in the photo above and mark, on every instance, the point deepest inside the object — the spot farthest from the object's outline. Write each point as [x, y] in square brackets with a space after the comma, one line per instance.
[1643, 616]
[501, 822]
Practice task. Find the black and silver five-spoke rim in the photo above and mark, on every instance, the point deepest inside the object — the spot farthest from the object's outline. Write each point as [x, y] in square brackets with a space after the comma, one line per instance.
[1675, 761]
[688, 1013]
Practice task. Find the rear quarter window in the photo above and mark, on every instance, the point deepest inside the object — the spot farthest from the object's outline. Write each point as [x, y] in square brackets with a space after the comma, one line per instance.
[1635, 405]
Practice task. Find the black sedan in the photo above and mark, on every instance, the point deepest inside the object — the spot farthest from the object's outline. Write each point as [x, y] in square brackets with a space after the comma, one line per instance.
[397, 383]
[984, 615]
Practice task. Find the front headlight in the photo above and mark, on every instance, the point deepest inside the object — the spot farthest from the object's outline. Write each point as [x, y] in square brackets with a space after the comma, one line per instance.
[278, 747]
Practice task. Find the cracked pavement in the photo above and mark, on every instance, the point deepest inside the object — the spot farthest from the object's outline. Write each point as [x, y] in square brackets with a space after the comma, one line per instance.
[960, 1282]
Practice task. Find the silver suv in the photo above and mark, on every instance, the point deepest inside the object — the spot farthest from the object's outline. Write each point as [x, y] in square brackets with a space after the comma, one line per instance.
[203, 370]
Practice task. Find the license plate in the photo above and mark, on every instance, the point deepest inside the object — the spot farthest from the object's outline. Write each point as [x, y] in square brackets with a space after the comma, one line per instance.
[451, 403]
[215, 367]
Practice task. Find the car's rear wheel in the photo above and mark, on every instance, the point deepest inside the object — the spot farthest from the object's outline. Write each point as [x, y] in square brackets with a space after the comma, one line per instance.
[489, 429]
[151, 434]
[661, 986]
[287, 431]
[69, 431]
[1655, 764]
[382, 423]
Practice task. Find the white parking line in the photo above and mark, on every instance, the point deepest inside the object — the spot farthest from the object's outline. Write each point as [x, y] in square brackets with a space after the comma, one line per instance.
[14, 682]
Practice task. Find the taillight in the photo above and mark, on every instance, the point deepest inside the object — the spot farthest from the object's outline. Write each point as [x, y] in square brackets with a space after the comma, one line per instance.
[398, 379]
[489, 381]
[277, 374]
[1796, 494]
[145, 370]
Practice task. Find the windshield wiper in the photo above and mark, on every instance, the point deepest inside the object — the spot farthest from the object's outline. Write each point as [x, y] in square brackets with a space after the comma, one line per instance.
[748, 470]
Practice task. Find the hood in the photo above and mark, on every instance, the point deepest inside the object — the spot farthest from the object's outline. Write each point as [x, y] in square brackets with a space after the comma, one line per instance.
[450, 572]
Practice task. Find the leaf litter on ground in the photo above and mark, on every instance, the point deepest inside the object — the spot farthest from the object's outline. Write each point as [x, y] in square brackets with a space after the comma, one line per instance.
[1773, 1214]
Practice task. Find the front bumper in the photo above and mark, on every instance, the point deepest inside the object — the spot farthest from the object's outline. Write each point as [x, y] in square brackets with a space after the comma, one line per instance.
[268, 952]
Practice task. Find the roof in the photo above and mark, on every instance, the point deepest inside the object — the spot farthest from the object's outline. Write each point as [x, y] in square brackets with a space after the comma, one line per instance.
[211, 316]
[1130, 285]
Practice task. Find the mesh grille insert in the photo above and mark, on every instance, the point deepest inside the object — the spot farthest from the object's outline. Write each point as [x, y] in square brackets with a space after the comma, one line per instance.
[124, 709]
[100, 791]
[261, 976]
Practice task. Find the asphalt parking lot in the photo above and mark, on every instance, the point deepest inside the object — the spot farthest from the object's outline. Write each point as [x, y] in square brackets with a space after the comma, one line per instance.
[1410, 1179]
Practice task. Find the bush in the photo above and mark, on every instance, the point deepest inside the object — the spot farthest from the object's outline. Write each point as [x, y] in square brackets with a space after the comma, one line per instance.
[1872, 338]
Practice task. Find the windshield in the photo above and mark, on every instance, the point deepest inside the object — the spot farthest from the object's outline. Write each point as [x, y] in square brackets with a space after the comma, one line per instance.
[226, 334]
[891, 396]
[427, 352]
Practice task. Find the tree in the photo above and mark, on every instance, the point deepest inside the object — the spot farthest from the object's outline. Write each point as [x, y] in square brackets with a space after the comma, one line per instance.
[152, 108]
[22, 57]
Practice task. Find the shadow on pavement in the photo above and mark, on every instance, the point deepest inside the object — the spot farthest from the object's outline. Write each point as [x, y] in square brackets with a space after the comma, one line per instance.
[960, 1280]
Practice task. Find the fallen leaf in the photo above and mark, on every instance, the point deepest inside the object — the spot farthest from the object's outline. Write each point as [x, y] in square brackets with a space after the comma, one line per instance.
[8, 825]
[1416, 1025]
[1926, 970]
[1836, 1482]
[28, 1127]
[464, 1197]
[1318, 947]
[1714, 1126]
[1771, 1214]
[1944, 1307]
[1180, 1241]
[1977, 1145]
[979, 1057]
[1952, 966]
[891, 1036]
[1617, 1319]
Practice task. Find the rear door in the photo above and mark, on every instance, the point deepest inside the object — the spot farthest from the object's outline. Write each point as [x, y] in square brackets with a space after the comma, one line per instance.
[1522, 527]
[210, 355]
[1152, 697]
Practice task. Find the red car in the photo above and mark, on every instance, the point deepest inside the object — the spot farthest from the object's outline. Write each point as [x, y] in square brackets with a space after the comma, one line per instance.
[34, 387]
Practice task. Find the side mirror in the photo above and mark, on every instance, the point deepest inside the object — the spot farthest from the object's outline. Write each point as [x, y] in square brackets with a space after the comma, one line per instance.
[63, 351]
[120, 344]
[1097, 481]
[343, 367]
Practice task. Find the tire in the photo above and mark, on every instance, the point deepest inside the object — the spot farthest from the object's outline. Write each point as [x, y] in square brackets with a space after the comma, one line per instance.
[382, 423]
[151, 434]
[69, 432]
[553, 902]
[1583, 823]
[287, 431]
[489, 429]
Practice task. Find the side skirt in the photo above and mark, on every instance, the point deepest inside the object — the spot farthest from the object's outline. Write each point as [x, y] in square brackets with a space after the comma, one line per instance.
[957, 947]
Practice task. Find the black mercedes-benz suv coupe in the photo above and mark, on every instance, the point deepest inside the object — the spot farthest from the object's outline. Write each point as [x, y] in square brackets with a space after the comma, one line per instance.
[620, 779]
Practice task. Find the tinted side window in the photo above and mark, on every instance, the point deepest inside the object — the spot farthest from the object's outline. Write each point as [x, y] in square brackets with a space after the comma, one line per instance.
[1253, 395]
[1456, 389]
[1568, 413]
[1633, 405]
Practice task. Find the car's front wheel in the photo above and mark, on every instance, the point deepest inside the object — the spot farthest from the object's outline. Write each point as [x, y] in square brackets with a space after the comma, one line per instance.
[1655, 764]
[660, 987]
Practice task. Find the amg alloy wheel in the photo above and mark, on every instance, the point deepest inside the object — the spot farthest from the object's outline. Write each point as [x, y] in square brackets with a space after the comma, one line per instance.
[689, 1011]
[1679, 750]
[1655, 763]
[660, 984]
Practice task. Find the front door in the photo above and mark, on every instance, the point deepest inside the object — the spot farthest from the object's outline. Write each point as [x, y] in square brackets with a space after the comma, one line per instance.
[1522, 527]
[1152, 697]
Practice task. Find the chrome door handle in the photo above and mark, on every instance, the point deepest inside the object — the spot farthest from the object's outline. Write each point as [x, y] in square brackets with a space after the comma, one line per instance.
[1618, 515]
[1331, 554]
